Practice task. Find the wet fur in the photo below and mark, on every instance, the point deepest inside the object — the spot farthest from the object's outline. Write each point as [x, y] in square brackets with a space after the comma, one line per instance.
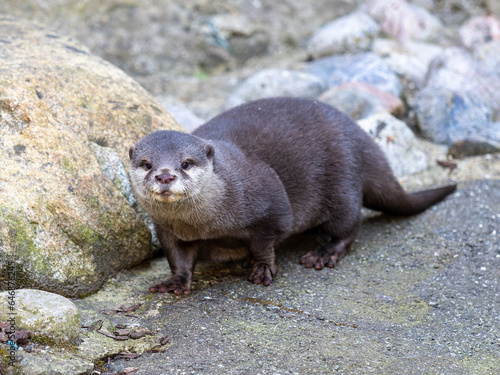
[277, 167]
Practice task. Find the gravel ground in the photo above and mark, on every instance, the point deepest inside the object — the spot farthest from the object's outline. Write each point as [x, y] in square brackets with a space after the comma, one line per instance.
[415, 295]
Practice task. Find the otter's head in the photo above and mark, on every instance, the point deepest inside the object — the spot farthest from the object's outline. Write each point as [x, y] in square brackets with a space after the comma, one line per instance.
[168, 166]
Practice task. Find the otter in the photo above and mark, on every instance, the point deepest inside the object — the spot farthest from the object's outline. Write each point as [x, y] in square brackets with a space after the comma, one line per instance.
[257, 174]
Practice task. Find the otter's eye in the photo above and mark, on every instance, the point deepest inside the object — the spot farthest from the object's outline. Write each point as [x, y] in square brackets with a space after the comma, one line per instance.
[187, 164]
[146, 165]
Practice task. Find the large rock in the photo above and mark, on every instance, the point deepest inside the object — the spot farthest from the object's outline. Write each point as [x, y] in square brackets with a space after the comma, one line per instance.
[461, 102]
[276, 82]
[357, 67]
[455, 69]
[64, 224]
[42, 313]
[447, 116]
[351, 33]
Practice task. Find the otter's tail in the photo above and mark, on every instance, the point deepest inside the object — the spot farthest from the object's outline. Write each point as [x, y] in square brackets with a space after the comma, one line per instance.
[382, 191]
[397, 201]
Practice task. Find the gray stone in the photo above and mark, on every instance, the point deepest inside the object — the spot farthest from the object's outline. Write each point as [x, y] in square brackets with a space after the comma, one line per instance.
[183, 115]
[42, 313]
[360, 100]
[493, 6]
[351, 33]
[229, 24]
[410, 60]
[398, 143]
[461, 101]
[455, 12]
[456, 70]
[237, 35]
[489, 55]
[404, 21]
[276, 82]
[453, 68]
[447, 117]
[363, 67]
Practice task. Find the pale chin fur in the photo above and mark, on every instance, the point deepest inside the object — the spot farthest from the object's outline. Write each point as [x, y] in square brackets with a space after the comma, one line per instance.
[148, 192]
[176, 189]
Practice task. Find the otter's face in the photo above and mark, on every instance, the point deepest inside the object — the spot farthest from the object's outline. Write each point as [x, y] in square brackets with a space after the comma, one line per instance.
[169, 166]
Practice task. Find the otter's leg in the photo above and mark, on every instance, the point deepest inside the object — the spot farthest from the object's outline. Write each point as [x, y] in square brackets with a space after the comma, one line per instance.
[333, 248]
[182, 257]
[264, 268]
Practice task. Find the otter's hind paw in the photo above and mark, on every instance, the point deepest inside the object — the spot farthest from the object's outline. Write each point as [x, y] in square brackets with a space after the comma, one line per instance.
[319, 261]
[327, 255]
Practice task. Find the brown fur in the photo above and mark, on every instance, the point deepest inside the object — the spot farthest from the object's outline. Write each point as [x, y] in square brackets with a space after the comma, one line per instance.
[262, 172]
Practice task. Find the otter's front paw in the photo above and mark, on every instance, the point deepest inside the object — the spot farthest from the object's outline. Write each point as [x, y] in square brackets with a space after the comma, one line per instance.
[174, 284]
[262, 273]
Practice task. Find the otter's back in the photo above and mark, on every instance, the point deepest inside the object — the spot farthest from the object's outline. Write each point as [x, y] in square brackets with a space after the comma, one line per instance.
[314, 149]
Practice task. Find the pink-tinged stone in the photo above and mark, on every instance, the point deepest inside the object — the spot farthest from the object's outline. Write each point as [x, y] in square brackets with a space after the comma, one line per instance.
[403, 20]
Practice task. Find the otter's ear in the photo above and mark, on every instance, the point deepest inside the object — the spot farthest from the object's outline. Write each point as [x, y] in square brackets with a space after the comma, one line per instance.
[210, 151]
[131, 152]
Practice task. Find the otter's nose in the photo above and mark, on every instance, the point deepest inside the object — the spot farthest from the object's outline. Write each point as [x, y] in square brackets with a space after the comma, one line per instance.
[165, 178]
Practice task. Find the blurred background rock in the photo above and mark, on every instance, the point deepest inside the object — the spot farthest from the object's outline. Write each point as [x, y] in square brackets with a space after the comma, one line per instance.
[196, 52]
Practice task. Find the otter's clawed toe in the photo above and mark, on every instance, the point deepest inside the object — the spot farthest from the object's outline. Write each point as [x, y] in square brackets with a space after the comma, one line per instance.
[319, 260]
[262, 274]
[170, 285]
